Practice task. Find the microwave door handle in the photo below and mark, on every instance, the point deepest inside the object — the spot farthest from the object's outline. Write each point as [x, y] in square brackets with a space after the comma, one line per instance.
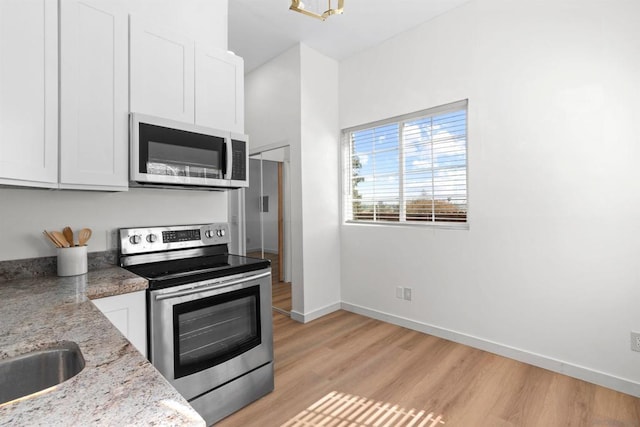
[229, 154]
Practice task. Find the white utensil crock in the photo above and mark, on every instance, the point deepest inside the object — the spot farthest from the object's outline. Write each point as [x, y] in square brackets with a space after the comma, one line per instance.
[72, 261]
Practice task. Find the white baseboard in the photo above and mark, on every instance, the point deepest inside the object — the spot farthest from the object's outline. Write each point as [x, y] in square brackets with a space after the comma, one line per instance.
[297, 316]
[580, 372]
[313, 315]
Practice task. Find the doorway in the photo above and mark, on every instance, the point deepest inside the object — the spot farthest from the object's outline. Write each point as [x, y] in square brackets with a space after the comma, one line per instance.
[267, 217]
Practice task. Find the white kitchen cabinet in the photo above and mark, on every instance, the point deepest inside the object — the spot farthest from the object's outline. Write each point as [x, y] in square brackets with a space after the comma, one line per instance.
[219, 89]
[127, 312]
[161, 72]
[93, 95]
[29, 93]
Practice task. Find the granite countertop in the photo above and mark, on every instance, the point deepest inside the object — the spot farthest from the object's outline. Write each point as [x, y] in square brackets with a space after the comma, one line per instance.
[118, 386]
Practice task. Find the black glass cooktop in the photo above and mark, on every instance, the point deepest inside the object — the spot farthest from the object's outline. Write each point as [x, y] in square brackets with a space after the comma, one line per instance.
[164, 274]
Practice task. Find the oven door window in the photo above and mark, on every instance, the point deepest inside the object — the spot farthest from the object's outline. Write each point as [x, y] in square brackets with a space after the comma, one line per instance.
[212, 330]
[175, 152]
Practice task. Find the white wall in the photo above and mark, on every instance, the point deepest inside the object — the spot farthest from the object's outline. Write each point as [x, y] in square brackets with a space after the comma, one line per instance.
[293, 100]
[320, 186]
[272, 118]
[549, 264]
[272, 102]
[24, 213]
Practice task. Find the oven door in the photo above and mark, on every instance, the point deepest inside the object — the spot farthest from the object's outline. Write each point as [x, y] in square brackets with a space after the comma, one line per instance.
[205, 334]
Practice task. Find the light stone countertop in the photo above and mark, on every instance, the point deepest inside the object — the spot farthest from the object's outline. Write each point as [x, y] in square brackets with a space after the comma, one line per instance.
[117, 387]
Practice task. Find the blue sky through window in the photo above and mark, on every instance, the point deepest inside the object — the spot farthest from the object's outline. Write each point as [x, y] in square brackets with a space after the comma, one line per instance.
[411, 162]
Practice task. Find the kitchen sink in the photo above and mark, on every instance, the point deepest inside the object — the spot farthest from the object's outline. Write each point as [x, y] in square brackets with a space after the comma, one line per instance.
[36, 371]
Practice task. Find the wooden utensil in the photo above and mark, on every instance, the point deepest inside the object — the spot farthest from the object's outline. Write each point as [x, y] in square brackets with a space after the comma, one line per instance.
[50, 237]
[53, 239]
[68, 234]
[59, 237]
[83, 236]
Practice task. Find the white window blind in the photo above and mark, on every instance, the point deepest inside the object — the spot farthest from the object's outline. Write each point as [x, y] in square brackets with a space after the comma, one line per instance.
[410, 169]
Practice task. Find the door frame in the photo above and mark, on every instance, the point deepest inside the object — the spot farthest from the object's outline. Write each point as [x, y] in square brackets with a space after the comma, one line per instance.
[237, 209]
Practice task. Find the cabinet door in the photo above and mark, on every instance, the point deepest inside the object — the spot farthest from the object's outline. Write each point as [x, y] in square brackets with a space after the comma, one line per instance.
[162, 77]
[93, 95]
[29, 92]
[219, 90]
[128, 313]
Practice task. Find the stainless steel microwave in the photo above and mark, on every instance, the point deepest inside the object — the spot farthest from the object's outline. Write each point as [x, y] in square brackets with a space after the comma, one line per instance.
[173, 154]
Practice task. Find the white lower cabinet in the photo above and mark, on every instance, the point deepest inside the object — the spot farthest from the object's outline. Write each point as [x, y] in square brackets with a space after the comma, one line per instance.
[128, 313]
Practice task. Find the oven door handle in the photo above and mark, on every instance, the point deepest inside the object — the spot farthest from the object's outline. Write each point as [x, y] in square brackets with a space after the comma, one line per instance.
[209, 286]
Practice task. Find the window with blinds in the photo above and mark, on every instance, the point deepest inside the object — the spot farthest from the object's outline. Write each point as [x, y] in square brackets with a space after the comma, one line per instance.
[409, 169]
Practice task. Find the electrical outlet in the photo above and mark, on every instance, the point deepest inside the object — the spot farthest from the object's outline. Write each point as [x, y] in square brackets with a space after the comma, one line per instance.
[407, 294]
[400, 292]
[635, 341]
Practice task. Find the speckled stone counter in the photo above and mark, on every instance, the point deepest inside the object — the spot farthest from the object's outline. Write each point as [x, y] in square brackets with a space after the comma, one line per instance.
[118, 386]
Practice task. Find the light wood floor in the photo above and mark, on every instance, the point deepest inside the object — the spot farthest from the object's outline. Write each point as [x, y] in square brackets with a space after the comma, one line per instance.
[370, 364]
[280, 291]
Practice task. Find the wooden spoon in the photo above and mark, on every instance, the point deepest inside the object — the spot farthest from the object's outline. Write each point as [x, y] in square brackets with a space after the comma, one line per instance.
[83, 236]
[68, 234]
[50, 237]
[59, 237]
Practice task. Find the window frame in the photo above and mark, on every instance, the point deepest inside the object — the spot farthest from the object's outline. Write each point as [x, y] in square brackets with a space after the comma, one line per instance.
[346, 169]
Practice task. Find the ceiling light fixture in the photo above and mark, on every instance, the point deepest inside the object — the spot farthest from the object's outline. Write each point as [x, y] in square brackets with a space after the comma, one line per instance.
[298, 6]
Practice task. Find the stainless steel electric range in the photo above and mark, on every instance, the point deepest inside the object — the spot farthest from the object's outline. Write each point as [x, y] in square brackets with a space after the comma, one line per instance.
[208, 312]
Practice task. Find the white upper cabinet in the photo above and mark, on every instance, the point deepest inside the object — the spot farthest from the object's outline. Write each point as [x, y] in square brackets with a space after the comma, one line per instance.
[29, 93]
[93, 95]
[219, 89]
[64, 108]
[162, 75]
[174, 79]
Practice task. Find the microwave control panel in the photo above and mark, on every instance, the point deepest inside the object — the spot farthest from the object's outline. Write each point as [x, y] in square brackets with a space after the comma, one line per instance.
[239, 160]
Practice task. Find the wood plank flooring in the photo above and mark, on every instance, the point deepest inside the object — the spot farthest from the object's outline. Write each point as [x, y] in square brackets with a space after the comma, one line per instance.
[281, 295]
[280, 291]
[381, 374]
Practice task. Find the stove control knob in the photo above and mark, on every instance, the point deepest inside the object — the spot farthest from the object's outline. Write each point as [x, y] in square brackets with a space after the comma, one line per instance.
[151, 238]
[135, 239]
[221, 232]
[209, 234]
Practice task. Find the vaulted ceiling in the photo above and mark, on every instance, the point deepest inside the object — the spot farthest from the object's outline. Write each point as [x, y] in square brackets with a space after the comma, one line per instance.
[262, 29]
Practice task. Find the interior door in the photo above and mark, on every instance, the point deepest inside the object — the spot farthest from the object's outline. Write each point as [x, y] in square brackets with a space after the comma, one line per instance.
[267, 218]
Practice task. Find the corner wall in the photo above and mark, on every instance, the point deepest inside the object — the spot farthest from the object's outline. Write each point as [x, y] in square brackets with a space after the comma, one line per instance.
[272, 118]
[548, 270]
[320, 185]
[293, 100]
